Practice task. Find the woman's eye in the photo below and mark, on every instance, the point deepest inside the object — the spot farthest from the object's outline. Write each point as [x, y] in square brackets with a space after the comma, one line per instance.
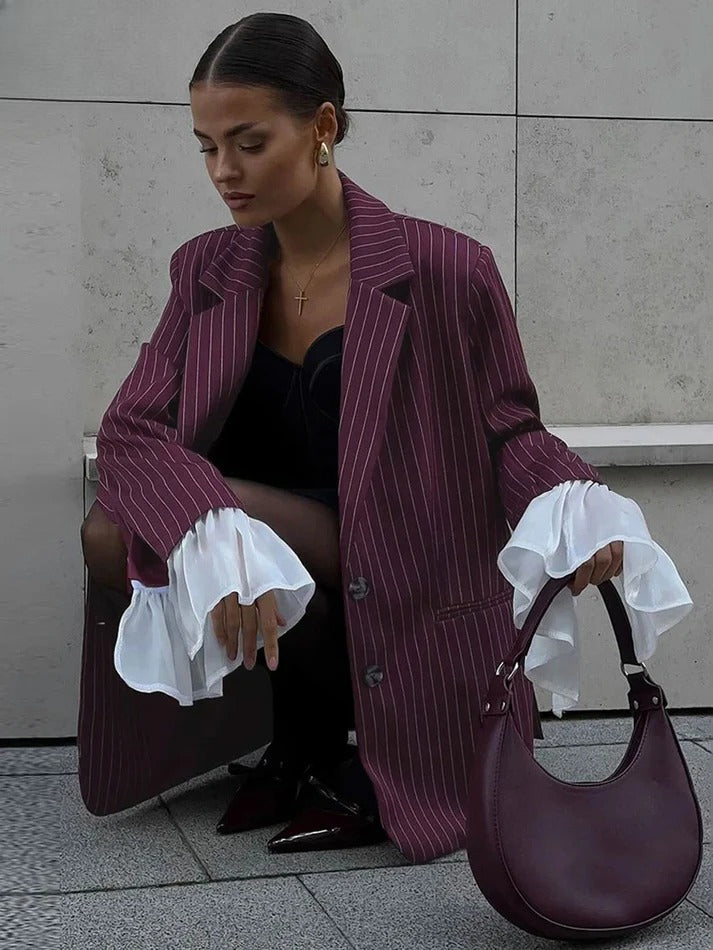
[243, 148]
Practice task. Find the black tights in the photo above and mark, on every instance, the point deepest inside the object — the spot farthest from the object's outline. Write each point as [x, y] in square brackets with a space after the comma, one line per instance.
[312, 700]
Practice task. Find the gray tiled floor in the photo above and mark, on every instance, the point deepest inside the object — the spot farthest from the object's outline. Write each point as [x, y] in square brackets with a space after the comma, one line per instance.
[52, 844]
[158, 876]
[51, 760]
[701, 894]
[276, 914]
[438, 907]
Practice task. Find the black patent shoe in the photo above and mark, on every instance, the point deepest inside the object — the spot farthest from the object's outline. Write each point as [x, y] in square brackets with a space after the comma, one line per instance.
[327, 818]
[267, 794]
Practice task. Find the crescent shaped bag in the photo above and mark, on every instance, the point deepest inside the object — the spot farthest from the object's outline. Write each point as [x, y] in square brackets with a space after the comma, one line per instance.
[582, 860]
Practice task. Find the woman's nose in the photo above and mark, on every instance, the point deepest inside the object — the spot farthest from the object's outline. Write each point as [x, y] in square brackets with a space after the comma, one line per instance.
[225, 166]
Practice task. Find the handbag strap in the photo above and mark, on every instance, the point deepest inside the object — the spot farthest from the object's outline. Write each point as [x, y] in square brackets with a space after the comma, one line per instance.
[615, 609]
[645, 695]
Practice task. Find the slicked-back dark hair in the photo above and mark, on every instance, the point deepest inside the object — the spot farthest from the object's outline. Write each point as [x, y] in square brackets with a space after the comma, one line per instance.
[283, 52]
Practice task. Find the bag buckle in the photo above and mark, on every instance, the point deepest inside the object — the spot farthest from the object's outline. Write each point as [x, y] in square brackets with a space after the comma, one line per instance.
[512, 672]
[642, 669]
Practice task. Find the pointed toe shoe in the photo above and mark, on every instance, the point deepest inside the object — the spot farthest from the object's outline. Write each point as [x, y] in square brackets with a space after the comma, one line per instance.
[267, 795]
[325, 820]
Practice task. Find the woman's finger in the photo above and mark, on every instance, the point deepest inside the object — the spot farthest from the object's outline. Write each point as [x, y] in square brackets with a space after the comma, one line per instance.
[218, 617]
[602, 566]
[232, 623]
[269, 620]
[249, 624]
[615, 551]
[602, 563]
[581, 578]
[618, 548]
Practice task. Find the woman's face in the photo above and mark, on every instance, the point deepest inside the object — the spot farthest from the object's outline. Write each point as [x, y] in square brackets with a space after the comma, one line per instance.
[273, 159]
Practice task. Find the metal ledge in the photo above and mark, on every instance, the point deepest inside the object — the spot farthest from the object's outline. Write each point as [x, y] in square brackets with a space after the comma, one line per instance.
[601, 446]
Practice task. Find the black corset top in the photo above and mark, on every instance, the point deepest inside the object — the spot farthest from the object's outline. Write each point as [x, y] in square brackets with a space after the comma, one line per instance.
[283, 427]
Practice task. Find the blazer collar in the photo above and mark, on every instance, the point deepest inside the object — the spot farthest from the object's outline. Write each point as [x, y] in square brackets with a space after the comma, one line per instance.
[378, 252]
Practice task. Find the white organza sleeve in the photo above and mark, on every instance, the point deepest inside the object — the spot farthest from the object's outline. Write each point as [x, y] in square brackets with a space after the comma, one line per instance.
[166, 640]
[561, 529]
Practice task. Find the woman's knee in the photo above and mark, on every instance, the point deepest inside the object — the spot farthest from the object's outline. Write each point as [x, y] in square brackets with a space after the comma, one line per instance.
[98, 530]
[97, 521]
[306, 525]
[103, 548]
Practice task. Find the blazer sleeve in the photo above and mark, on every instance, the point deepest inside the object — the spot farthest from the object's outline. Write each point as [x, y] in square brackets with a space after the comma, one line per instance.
[528, 460]
[152, 485]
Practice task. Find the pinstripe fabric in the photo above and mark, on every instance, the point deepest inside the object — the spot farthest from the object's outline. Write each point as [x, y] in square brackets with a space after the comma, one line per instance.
[440, 446]
[132, 745]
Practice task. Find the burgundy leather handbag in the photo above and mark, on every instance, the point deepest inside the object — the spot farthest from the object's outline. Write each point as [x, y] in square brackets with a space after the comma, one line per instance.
[582, 860]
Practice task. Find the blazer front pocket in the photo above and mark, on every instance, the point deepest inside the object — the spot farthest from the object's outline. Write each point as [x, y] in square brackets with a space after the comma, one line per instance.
[450, 611]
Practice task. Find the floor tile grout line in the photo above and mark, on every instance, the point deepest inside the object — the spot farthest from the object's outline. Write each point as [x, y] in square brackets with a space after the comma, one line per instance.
[698, 712]
[213, 880]
[591, 745]
[539, 744]
[577, 745]
[364, 867]
[25, 743]
[361, 867]
[324, 910]
[370, 867]
[186, 842]
[107, 890]
[30, 774]
[255, 877]
[698, 907]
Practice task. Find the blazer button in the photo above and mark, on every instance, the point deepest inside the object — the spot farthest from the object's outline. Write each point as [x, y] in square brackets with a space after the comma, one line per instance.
[373, 675]
[359, 588]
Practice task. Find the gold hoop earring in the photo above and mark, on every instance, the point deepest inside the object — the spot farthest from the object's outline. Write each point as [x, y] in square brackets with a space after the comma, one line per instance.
[323, 157]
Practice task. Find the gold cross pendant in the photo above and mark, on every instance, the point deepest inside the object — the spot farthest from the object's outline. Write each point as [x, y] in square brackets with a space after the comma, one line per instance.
[301, 299]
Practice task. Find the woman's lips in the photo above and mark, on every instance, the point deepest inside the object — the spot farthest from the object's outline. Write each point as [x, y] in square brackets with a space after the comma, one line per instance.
[238, 202]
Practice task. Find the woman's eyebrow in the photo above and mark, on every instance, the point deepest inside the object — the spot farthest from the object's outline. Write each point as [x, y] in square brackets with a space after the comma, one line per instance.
[235, 130]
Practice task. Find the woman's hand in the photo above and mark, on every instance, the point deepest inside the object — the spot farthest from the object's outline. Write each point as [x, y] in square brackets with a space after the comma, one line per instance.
[602, 566]
[230, 617]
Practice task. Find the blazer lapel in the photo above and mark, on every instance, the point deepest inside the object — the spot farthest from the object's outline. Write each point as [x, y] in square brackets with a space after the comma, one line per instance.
[223, 337]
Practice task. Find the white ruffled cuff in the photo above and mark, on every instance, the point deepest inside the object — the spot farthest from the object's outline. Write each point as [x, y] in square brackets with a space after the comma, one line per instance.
[561, 529]
[166, 640]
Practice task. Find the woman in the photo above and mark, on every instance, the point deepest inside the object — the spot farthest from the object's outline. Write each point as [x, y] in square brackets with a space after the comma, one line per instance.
[313, 464]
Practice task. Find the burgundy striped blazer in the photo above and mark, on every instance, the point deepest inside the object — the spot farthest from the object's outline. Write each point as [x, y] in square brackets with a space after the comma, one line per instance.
[441, 446]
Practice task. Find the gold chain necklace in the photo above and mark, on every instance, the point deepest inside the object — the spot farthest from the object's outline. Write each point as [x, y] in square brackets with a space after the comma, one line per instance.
[302, 298]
